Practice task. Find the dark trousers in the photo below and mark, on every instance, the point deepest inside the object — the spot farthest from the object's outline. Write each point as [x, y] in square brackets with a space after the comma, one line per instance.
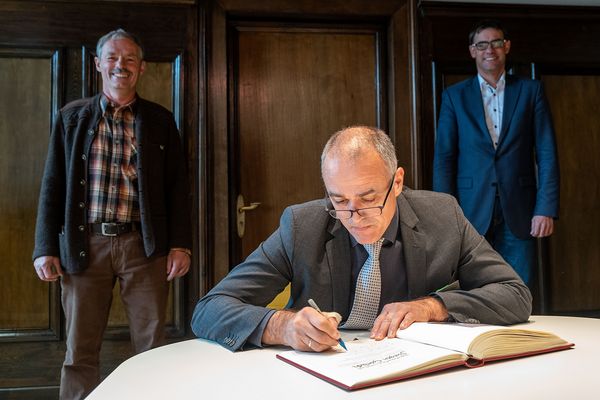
[86, 300]
[519, 253]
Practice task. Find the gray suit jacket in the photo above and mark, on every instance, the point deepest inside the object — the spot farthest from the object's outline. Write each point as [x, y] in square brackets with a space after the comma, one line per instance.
[312, 251]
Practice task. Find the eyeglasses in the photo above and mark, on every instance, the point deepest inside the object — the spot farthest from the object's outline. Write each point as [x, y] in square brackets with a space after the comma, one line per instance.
[483, 45]
[363, 212]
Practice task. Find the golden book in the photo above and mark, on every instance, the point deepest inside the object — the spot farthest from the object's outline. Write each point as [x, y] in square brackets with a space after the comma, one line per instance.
[422, 348]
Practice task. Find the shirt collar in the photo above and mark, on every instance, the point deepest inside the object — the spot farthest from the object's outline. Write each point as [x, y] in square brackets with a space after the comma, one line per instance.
[107, 105]
[483, 84]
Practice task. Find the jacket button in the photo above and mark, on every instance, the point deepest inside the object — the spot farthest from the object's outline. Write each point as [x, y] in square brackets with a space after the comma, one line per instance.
[82, 182]
[90, 132]
[81, 228]
[82, 254]
[83, 157]
[82, 205]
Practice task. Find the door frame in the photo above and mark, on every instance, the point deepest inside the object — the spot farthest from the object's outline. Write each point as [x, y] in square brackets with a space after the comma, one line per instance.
[399, 18]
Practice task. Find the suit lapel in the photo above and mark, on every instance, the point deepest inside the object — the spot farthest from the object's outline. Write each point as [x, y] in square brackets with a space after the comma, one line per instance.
[474, 105]
[414, 249]
[511, 94]
[338, 257]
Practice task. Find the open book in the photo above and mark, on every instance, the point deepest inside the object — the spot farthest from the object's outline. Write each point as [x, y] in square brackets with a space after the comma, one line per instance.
[420, 349]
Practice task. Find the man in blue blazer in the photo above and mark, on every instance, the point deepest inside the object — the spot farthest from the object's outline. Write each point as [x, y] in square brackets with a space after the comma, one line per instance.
[319, 248]
[495, 151]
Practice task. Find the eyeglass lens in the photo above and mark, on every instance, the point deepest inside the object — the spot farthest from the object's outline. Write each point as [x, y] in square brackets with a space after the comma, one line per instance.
[483, 45]
[363, 212]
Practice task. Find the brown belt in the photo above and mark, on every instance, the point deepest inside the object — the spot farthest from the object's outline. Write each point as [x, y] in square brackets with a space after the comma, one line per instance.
[114, 228]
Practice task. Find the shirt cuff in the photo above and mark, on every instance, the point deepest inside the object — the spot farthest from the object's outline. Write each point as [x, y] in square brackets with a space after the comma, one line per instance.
[183, 250]
[255, 337]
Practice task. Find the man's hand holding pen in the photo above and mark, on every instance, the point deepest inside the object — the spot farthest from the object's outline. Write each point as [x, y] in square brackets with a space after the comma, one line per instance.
[305, 330]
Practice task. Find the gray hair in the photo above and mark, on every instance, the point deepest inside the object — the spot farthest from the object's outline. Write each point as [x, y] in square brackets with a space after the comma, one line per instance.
[119, 34]
[352, 142]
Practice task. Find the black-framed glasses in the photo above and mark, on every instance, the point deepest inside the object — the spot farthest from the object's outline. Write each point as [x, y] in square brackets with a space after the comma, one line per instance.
[483, 45]
[363, 212]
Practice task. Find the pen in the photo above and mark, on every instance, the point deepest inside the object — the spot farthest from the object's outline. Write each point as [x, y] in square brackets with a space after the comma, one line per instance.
[451, 286]
[443, 288]
[314, 305]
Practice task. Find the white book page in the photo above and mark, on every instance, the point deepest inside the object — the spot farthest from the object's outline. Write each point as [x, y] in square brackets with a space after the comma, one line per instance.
[368, 360]
[455, 336]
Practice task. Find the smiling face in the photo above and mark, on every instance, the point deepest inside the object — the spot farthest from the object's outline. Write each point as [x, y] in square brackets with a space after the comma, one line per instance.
[121, 65]
[358, 183]
[491, 61]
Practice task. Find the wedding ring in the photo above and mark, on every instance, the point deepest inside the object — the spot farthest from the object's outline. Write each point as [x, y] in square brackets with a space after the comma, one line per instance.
[309, 343]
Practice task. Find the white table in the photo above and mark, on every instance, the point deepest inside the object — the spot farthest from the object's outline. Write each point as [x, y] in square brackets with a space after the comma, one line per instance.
[198, 369]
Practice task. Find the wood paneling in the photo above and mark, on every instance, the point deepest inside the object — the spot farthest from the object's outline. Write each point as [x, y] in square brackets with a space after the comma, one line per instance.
[295, 88]
[313, 8]
[402, 92]
[217, 152]
[574, 250]
[157, 83]
[25, 117]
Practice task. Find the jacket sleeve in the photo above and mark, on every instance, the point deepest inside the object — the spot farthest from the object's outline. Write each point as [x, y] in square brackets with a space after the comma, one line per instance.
[51, 204]
[490, 291]
[445, 150]
[231, 312]
[548, 189]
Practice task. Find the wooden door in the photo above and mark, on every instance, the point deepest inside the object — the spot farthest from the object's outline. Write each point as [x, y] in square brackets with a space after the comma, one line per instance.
[46, 61]
[282, 77]
[574, 278]
[294, 87]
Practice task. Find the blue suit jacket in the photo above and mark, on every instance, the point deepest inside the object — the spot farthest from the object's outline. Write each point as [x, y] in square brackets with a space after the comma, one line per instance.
[523, 168]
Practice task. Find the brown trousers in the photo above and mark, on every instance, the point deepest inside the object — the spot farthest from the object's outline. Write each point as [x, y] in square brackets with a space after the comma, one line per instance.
[86, 300]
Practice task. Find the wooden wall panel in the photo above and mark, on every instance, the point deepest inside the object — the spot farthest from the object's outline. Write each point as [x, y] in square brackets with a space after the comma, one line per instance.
[574, 250]
[158, 84]
[25, 114]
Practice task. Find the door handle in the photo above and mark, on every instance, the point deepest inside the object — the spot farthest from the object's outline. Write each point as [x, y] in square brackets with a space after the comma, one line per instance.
[241, 214]
[251, 207]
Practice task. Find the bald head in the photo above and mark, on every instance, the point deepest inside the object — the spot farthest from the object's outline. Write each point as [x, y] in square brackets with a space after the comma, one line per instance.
[359, 170]
[353, 143]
